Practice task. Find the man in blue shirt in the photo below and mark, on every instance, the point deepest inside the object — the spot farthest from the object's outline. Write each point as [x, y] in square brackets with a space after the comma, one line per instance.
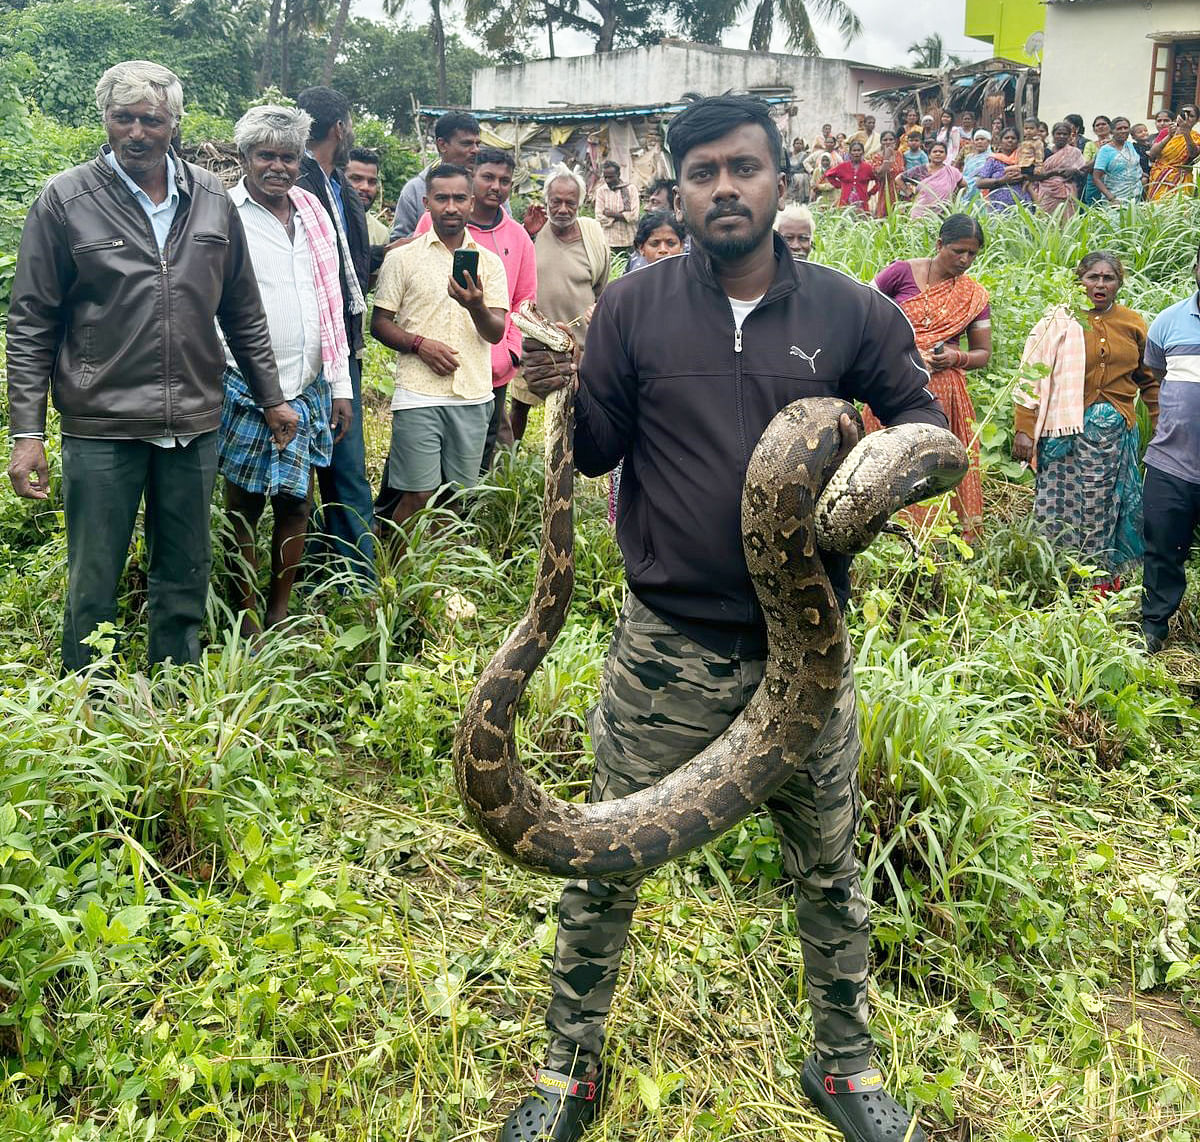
[1172, 488]
[342, 525]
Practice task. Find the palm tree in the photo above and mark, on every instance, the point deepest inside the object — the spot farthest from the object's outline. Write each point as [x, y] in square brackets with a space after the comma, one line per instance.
[335, 41]
[930, 54]
[437, 33]
[796, 16]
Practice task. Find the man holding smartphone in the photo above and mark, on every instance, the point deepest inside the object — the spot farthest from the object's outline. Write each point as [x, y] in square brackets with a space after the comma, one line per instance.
[443, 398]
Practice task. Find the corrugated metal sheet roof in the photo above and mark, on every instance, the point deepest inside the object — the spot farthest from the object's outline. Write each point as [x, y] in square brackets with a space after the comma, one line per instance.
[572, 112]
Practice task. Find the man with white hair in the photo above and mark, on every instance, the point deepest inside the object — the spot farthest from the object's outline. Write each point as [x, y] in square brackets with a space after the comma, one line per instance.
[573, 264]
[294, 250]
[124, 263]
[794, 224]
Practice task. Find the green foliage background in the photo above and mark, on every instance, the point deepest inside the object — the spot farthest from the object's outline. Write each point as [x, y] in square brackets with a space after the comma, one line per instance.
[240, 901]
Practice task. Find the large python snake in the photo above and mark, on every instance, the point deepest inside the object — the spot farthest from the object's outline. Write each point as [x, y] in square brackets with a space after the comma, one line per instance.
[786, 518]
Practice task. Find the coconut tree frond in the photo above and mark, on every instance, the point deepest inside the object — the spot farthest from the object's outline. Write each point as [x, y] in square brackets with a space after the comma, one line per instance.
[929, 52]
[762, 26]
[801, 37]
[797, 17]
[837, 12]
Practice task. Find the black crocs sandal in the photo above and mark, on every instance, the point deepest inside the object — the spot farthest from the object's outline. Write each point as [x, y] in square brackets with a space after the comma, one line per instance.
[859, 1106]
[560, 1108]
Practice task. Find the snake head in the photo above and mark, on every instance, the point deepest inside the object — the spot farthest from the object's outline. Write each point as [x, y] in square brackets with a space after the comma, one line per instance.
[885, 472]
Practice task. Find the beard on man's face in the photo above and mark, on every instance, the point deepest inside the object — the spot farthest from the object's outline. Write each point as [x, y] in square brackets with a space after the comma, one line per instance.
[728, 247]
[342, 155]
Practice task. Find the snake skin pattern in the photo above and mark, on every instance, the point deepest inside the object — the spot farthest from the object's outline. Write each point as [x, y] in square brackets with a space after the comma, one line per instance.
[782, 525]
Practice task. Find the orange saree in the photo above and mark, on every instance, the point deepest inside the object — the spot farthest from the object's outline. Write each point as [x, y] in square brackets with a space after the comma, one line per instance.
[943, 312]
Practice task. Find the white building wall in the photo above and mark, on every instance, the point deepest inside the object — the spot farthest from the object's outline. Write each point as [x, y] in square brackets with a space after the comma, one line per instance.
[824, 90]
[1097, 55]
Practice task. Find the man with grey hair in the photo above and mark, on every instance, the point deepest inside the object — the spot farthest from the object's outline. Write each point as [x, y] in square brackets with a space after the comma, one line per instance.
[124, 263]
[573, 264]
[294, 249]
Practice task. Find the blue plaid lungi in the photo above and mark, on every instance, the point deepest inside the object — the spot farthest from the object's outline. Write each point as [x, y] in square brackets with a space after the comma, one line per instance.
[246, 452]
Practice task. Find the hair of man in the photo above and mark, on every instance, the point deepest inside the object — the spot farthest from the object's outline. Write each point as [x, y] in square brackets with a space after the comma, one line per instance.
[327, 108]
[446, 170]
[959, 227]
[285, 128]
[495, 156]
[364, 155]
[558, 174]
[795, 212]
[454, 121]
[140, 81]
[648, 223]
[709, 119]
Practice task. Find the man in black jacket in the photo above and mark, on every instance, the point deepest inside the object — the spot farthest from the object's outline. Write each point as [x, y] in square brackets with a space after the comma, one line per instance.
[124, 263]
[343, 523]
[687, 362]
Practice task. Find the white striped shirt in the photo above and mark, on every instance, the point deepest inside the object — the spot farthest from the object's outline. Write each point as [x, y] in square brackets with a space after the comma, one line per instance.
[283, 267]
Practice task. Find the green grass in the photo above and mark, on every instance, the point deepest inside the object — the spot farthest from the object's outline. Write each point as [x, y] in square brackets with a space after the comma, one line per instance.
[240, 901]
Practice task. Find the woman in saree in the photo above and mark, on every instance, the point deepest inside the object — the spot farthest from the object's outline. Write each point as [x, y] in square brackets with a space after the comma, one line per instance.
[936, 183]
[1075, 423]
[1117, 171]
[1102, 127]
[1001, 178]
[1172, 157]
[944, 304]
[1055, 180]
[889, 166]
[974, 160]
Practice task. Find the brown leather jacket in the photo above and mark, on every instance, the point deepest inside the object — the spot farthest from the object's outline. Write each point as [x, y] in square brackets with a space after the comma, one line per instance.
[122, 336]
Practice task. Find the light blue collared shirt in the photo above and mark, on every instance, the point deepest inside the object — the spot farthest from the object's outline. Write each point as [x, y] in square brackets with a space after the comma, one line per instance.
[161, 214]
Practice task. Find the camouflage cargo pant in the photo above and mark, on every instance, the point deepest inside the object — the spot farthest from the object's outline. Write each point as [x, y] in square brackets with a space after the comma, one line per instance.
[662, 700]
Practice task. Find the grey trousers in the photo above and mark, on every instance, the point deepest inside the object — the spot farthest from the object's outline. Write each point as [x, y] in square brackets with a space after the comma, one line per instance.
[104, 482]
[662, 700]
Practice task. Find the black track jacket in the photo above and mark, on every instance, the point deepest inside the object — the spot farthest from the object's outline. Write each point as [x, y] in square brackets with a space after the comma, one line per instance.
[668, 384]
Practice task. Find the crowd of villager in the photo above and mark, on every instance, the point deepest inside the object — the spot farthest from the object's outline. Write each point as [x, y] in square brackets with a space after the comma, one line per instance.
[186, 331]
[1054, 169]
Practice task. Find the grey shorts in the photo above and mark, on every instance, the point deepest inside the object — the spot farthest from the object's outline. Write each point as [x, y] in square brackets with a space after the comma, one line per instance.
[436, 446]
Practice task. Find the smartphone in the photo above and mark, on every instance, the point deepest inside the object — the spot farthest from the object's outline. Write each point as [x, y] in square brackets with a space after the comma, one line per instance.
[466, 262]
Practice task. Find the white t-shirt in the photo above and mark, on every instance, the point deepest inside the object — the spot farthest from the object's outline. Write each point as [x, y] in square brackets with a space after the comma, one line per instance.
[406, 398]
[742, 308]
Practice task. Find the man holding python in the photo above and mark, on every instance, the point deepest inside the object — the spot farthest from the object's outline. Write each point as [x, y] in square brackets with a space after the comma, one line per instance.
[686, 363]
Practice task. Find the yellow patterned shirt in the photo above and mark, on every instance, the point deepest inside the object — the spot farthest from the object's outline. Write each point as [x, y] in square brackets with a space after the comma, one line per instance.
[413, 284]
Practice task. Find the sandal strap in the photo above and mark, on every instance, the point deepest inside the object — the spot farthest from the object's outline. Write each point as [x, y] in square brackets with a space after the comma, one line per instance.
[860, 1083]
[567, 1086]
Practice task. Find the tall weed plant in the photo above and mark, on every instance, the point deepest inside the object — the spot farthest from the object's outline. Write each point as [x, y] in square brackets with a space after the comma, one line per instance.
[240, 900]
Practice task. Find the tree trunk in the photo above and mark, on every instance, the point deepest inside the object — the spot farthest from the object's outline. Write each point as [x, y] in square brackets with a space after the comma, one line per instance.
[285, 49]
[439, 46]
[266, 71]
[608, 24]
[550, 30]
[335, 42]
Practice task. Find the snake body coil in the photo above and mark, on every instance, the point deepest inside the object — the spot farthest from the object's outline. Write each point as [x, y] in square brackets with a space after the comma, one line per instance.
[784, 520]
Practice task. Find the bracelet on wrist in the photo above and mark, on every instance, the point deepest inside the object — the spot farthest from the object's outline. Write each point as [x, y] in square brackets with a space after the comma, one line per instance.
[415, 344]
